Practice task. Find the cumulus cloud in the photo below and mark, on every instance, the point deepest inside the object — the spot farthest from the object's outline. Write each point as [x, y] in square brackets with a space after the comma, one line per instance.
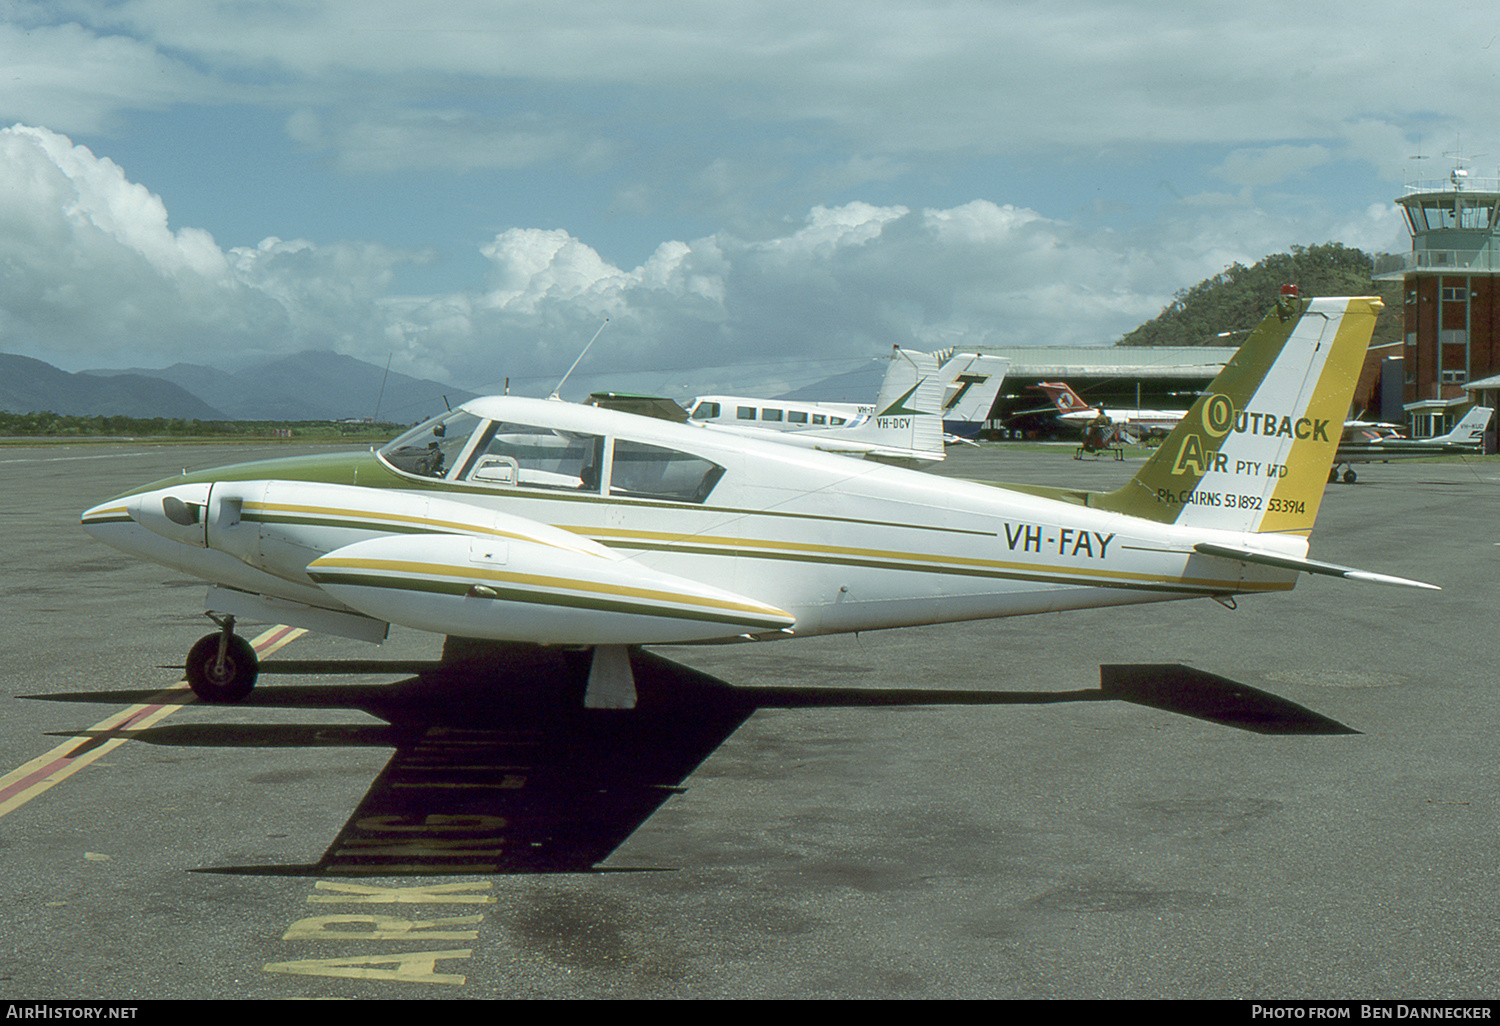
[846, 284]
[87, 257]
[93, 274]
[93, 269]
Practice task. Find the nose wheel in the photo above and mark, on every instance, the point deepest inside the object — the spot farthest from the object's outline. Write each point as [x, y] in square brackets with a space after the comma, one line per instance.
[222, 666]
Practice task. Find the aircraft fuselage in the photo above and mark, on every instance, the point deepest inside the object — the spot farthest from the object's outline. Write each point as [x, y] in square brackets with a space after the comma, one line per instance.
[635, 550]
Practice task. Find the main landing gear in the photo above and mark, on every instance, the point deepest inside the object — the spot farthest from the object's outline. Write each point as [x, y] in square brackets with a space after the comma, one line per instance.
[222, 667]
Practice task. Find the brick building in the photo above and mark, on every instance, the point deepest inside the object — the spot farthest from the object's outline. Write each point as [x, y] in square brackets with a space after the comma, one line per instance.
[1451, 296]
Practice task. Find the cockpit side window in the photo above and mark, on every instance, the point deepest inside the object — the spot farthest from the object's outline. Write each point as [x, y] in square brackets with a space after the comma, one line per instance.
[646, 471]
[433, 447]
[536, 457]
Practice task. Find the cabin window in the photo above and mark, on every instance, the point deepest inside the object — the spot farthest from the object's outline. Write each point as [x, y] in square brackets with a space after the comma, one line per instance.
[433, 448]
[819, 418]
[796, 417]
[705, 411]
[770, 415]
[536, 457]
[646, 471]
[745, 413]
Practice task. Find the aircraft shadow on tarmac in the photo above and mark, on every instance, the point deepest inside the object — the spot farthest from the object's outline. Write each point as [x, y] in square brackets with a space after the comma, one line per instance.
[498, 768]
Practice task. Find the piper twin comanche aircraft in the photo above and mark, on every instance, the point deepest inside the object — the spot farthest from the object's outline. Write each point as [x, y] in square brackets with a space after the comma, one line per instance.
[548, 523]
[1135, 424]
[1368, 443]
[926, 400]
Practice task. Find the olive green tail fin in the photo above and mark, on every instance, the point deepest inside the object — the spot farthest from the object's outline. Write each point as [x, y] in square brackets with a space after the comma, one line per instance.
[1255, 451]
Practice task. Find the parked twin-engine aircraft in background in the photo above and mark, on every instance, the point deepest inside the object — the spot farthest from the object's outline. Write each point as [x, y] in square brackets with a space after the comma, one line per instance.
[1134, 424]
[549, 523]
[1364, 442]
[925, 401]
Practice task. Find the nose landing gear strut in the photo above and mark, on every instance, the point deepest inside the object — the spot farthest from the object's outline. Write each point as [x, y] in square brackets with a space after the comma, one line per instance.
[222, 667]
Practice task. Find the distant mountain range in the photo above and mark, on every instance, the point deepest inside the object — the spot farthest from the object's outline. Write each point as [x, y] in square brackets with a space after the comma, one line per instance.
[305, 386]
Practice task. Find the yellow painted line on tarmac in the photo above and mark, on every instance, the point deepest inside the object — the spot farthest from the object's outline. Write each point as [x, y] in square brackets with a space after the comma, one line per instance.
[23, 784]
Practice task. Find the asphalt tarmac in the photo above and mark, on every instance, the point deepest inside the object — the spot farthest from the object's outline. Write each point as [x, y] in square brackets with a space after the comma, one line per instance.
[1032, 849]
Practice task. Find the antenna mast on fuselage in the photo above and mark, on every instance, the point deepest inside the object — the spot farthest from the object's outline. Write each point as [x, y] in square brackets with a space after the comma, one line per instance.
[576, 362]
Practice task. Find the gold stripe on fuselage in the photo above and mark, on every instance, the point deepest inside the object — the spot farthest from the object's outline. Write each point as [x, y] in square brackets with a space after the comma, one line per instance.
[421, 524]
[917, 562]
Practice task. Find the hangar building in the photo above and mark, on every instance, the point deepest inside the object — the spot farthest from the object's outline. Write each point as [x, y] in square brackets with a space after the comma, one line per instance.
[1150, 377]
[1154, 377]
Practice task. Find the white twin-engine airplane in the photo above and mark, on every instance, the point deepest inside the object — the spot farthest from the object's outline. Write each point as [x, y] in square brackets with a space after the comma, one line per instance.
[544, 522]
[922, 396]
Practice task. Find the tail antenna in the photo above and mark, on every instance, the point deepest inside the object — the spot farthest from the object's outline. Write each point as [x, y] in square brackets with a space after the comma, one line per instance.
[558, 389]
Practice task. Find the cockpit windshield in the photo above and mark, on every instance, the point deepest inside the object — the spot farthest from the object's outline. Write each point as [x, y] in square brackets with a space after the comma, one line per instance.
[433, 447]
[461, 447]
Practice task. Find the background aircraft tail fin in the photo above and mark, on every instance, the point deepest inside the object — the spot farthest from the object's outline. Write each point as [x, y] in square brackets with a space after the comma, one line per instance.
[908, 416]
[971, 383]
[1063, 397]
[1471, 427]
[1255, 451]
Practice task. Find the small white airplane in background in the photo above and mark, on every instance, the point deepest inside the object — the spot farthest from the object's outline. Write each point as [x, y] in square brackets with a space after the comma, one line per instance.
[920, 396]
[1380, 443]
[1135, 423]
[549, 523]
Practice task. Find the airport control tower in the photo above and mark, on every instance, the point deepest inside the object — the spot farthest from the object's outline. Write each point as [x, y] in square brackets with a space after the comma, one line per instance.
[1451, 294]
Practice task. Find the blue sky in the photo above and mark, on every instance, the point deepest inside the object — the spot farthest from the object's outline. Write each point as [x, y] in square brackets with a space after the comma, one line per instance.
[755, 194]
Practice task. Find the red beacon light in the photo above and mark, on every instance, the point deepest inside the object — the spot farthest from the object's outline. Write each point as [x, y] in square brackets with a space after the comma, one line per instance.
[1288, 303]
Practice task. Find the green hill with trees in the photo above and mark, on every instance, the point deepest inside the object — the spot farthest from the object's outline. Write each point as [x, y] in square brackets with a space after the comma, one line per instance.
[1235, 300]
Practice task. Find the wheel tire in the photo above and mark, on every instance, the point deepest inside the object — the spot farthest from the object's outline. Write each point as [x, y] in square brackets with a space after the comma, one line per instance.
[241, 667]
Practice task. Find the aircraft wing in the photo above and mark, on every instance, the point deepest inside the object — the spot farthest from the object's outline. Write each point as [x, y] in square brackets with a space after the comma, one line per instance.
[515, 590]
[1375, 454]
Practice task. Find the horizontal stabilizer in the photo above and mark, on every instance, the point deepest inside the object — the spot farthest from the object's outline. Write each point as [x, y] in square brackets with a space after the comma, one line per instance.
[1311, 566]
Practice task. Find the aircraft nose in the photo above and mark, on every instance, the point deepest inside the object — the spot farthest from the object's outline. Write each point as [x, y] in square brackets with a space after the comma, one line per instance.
[177, 513]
